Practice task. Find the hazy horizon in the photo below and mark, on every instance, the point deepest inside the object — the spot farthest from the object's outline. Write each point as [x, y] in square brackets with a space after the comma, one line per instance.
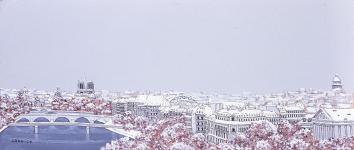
[229, 46]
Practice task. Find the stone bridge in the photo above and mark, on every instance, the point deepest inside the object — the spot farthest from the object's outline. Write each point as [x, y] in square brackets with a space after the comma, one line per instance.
[57, 118]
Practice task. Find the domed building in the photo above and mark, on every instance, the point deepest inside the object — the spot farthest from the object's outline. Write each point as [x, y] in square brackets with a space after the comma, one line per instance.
[337, 83]
[338, 97]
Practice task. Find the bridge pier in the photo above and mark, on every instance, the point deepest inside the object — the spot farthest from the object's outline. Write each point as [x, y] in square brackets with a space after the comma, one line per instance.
[87, 133]
[36, 132]
[35, 129]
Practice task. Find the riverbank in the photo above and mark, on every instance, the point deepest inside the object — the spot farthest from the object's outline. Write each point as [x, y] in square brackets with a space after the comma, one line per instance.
[131, 133]
[3, 128]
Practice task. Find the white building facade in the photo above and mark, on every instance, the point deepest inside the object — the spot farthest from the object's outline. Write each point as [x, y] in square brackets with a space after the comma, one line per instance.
[227, 123]
[333, 123]
[293, 114]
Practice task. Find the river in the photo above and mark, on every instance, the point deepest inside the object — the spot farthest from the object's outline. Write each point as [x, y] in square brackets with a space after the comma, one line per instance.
[55, 138]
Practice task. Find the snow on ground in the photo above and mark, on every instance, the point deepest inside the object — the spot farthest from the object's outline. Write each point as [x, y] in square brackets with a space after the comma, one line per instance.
[3, 128]
[128, 133]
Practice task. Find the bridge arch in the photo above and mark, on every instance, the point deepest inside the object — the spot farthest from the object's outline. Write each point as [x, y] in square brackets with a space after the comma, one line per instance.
[98, 122]
[61, 119]
[41, 119]
[82, 120]
[23, 120]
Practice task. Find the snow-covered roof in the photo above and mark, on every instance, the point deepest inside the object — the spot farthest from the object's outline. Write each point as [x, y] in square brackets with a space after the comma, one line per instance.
[336, 78]
[123, 100]
[239, 104]
[172, 108]
[233, 122]
[340, 114]
[311, 110]
[247, 113]
[287, 108]
[206, 110]
[155, 100]
[269, 113]
[292, 108]
[326, 105]
[339, 105]
[309, 115]
[251, 111]
[228, 112]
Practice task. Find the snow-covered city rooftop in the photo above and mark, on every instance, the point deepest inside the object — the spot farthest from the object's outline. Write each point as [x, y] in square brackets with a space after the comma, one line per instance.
[176, 75]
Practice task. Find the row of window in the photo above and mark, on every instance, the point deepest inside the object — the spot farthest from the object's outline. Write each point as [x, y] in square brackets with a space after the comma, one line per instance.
[245, 119]
[220, 134]
[200, 123]
[220, 128]
[200, 117]
[243, 129]
[294, 115]
[295, 111]
[153, 114]
[216, 140]
[200, 129]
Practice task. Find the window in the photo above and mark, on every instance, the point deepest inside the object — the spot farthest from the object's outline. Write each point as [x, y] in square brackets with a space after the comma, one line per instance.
[232, 118]
[233, 130]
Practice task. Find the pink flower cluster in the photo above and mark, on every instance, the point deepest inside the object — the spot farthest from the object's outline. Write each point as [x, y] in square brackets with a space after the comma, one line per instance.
[96, 106]
[131, 122]
[165, 134]
[11, 108]
[265, 136]
[172, 134]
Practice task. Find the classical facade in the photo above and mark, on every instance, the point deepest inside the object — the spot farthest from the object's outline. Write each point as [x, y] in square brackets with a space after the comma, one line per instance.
[119, 107]
[293, 114]
[307, 122]
[172, 112]
[199, 119]
[333, 123]
[226, 123]
[151, 112]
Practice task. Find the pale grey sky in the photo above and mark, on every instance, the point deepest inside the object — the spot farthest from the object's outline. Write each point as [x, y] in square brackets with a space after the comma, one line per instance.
[189, 45]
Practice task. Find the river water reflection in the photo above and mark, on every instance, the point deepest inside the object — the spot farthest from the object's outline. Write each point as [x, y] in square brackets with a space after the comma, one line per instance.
[55, 138]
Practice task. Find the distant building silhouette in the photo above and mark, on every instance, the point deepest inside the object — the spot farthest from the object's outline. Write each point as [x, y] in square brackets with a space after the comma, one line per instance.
[88, 88]
[57, 93]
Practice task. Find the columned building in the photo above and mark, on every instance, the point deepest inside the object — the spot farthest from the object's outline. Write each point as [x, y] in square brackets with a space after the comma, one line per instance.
[293, 114]
[333, 123]
[227, 123]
